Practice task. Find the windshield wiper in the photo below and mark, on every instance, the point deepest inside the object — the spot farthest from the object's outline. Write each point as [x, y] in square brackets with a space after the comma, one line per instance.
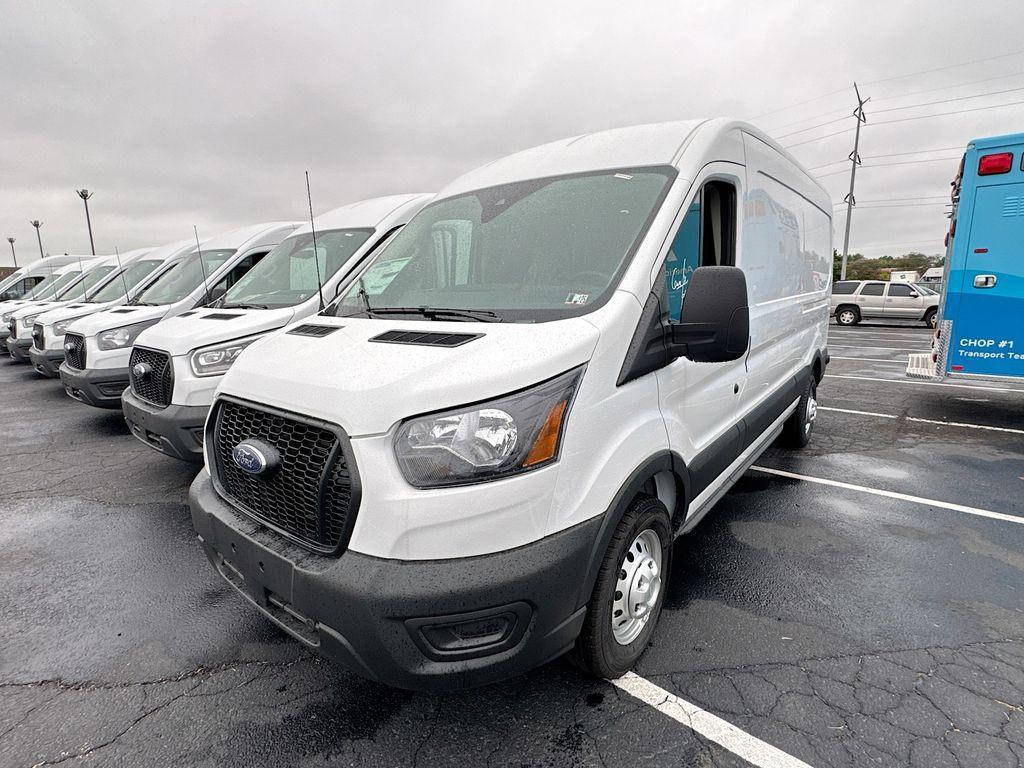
[243, 305]
[434, 313]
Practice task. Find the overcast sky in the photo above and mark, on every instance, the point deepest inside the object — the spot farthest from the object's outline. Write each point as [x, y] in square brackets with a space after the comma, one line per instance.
[202, 114]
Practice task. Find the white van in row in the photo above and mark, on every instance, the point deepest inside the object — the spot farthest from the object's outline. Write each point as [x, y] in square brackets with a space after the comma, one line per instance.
[97, 348]
[481, 459]
[139, 270]
[177, 364]
[52, 283]
[78, 283]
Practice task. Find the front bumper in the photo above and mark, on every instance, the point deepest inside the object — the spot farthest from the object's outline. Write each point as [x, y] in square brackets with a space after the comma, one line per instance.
[403, 623]
[176, 430]
[19, 349]
[47, 362]
[100, 387]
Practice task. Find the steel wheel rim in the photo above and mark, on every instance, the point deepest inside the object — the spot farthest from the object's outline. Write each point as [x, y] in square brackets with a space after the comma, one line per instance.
[637, 588]
[846, 317]
[811, 412]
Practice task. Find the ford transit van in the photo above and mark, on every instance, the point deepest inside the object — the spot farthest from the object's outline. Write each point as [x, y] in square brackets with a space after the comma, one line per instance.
[92, 277]
[480, 459]
[97, 348]
[138, 271]
[176, 365]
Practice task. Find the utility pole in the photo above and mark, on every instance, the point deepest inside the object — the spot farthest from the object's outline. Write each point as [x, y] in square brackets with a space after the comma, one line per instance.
[854, 162]
[13, 254]
[37, 224]
[85, 194]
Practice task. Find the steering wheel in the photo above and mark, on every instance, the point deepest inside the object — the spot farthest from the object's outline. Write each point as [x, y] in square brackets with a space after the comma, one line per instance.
[599, 278]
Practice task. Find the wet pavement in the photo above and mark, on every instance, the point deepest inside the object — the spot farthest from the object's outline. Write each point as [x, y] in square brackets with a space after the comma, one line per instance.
[843, 627]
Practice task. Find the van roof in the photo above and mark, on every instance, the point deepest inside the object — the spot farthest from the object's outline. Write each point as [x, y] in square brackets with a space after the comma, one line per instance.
[996, 141]
[245, 237]
[171, 250]
[366, 213]
[630, 147]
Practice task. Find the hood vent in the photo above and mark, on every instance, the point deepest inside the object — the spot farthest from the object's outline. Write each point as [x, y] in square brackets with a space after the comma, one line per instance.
[316, 331]
[121, 311]
[426, 338]
[187, 314]
[220, 316]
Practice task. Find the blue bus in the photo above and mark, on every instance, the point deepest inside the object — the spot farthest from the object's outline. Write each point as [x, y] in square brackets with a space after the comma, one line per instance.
[981, 318]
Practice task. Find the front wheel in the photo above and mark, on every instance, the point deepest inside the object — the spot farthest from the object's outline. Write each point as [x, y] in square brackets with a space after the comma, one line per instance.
[847, 316]
[930, 317]
[797, 431]
[630, 590]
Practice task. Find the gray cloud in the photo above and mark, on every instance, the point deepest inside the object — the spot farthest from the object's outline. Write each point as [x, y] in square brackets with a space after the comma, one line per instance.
[208, 113]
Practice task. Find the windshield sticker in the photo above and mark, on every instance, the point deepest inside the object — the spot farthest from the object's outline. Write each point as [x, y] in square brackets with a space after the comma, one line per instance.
[577, 299]
[625, 176]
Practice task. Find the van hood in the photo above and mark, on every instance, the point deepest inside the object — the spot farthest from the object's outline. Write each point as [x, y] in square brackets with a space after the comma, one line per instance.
[39, 307]
[367, 386]
[201, 328]
[72, 311]
[115, 318]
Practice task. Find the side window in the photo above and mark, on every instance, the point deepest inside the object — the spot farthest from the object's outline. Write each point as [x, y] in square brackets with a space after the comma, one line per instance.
[235, 274]
[706, 238]
[900, 289]
[843, 288]
[872, 289]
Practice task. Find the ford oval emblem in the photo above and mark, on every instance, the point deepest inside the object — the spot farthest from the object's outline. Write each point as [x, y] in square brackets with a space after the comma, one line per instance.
[254, 457]
[141, 371]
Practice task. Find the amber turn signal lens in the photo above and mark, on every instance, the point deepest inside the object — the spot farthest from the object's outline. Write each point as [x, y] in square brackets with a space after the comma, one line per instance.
[546, 444]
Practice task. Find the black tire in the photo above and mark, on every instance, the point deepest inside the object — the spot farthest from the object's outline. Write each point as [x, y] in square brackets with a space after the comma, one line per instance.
[597, 651]
[929, 317]
[847, 316]
[796, 433]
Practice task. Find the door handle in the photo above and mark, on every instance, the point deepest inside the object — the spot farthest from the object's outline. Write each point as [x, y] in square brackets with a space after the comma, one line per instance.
[984, 281]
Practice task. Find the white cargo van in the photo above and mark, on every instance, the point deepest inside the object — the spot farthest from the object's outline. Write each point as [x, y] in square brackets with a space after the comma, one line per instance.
[97, 348]
[52, 281]
[96, 274]
[19, 284]
[177, 364]
[481, 460]
[139, 270]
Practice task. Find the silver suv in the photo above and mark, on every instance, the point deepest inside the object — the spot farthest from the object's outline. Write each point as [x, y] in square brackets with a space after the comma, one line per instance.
[855, 300]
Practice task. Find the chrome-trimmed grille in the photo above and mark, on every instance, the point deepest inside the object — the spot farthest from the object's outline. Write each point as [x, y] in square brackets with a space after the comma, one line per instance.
[156, 385]
[311, 497]
[74, 351]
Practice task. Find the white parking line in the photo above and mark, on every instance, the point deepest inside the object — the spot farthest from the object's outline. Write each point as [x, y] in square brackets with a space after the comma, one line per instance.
[916, 383]
[870, 360]
[740, 743]
[922, 421]
[895, 495]
[872, 346]
[854, 336]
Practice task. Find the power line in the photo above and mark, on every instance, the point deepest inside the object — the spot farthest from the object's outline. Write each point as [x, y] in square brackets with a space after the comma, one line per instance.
[819, 125]
[913, 152]
[948, 87]
[800, 103]
[943, 114]
[818, 138]
[947, 66]
[947, 101]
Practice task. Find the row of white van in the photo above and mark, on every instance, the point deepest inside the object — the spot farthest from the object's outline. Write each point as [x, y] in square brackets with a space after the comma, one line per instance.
[450, 437]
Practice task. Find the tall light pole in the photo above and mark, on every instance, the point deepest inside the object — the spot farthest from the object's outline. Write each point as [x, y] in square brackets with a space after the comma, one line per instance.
[13, 254]
[85, 194]
[37, 224]
[850, 200]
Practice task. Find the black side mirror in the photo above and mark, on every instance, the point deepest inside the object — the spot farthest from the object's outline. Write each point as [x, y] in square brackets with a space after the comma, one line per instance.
[714, 326]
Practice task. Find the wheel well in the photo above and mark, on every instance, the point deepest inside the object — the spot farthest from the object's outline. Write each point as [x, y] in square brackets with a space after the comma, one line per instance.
[668, 488]
[841, 307]
[817, 368]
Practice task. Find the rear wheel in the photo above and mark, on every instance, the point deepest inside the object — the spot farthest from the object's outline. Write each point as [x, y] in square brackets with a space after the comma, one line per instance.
[847, 316]
[630, 589]
[929, 317]
[797, 431]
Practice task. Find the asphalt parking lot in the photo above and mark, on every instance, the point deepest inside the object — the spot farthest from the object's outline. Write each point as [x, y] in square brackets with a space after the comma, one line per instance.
[860, 603]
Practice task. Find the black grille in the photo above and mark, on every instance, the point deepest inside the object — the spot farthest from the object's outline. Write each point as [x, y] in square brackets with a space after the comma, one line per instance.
[309, 496]
[155, 384]
[317, 331]
[74, 351]
[37, 337]
[426, 339]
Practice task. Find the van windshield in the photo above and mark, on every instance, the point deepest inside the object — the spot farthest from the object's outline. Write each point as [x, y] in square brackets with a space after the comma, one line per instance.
[80, 290]
[288, 274]
[179, 282]
[527, 252]
[51, 286]
[131, 276]
[11, 279]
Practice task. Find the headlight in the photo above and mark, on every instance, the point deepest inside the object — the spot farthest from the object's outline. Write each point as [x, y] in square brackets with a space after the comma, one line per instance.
[123, 337]
[6, 318]
[59, 329]
[29, 321]
[215, 361]
[513, 434]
